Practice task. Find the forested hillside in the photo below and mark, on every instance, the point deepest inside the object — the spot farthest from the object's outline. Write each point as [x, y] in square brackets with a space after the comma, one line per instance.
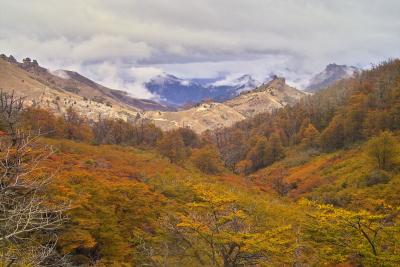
[348, 112]
[311, 184]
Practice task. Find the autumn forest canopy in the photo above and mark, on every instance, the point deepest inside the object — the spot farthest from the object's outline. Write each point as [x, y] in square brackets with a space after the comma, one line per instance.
[315, 183]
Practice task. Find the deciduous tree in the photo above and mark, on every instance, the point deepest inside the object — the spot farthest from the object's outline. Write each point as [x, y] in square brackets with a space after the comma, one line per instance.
[207, 160]
[220, 233]
[171, 145]
[356, 237]
[383, 149]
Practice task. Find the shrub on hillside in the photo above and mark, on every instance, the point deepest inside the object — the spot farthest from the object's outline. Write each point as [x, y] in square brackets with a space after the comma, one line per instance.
[376, 177]
[207, 160]
[383, 149]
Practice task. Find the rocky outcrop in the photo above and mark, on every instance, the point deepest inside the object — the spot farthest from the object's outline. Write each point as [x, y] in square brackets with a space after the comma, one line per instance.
[265, 98]
[9, 59]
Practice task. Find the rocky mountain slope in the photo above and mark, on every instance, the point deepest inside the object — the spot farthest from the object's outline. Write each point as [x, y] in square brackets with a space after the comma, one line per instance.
[62, 89]
[202, 117]
[272, 95]
[330, 75]
[211, 115]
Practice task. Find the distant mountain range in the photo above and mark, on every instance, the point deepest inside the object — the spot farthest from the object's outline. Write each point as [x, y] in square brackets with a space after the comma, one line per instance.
[185, 92]
[212, 115]
[330, 75]
[178, 92]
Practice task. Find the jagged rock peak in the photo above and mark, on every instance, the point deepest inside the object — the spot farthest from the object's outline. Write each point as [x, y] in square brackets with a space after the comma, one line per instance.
[276, 82]
[28, 63]
[10, 59]
[333, 66]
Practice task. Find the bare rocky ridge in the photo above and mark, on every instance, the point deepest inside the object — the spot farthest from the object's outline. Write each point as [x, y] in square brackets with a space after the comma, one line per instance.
[62, 89]
[275, 94]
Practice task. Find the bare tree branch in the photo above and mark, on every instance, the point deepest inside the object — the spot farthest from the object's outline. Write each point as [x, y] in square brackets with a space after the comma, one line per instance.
[29, 219]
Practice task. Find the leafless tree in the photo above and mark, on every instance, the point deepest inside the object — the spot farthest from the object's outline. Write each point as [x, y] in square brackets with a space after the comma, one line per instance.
[10, 110]
[29, 218]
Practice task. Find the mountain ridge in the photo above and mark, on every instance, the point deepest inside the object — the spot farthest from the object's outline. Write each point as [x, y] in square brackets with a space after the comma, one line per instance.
[75, 83]
[331, 74]
[211, 115]
[180, 92]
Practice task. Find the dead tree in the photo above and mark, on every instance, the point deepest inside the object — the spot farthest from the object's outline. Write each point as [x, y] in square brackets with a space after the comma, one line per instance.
[29, 218]
[10, 110]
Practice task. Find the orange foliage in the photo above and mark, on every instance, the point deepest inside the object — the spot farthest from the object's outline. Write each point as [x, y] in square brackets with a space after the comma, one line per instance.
[300, 179]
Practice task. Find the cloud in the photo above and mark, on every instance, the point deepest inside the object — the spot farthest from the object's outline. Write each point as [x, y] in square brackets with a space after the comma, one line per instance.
[115, 76]
[227, 35]
[143, 74]
[260, 68]
[95, 49]
[106, 47]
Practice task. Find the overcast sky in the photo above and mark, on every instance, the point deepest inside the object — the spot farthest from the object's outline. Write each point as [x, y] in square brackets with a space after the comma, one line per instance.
[115, 41]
